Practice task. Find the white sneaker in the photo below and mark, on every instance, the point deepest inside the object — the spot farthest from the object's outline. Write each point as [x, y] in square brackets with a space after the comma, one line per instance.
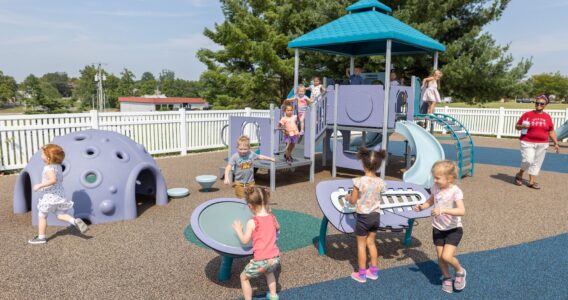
[36, 241]
[79, 224]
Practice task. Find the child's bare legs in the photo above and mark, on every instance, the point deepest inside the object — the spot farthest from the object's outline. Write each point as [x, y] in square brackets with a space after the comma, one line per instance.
[302, 117]
[431, 107]
[271, 282]
[362, 251]
[445, 257]
[41, 224]
[372, 248]
[65, 217]
[247, 289]
[291, 147]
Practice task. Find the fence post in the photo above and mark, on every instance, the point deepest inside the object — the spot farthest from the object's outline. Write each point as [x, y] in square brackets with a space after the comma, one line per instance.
[445, 113]
[183, 131]
[566, 115]
[94, 119]
[500, 122]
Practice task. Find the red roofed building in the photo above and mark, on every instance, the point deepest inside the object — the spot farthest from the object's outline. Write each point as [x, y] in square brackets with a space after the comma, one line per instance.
[161, 102]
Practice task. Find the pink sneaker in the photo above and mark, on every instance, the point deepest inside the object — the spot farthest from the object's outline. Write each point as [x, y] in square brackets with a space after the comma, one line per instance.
[447, 285]
[357, 277]
[459, 283]
[372, 276]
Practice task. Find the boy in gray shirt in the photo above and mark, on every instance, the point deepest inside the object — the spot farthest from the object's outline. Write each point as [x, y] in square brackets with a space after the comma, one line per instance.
[242, 165]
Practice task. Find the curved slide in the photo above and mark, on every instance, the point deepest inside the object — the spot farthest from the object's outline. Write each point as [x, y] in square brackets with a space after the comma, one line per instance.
[562, 131]
[428, 151]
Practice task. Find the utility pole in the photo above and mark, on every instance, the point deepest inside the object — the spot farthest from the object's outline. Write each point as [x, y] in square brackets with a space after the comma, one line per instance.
[99, 78]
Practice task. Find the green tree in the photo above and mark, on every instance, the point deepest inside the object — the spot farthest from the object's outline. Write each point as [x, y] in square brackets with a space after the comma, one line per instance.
[40, 93]
[549, 83]
[86, 89]
[8, 88]
[127, 84]
[112, 90]
[60, 81]
[255, 67]
[147, 84]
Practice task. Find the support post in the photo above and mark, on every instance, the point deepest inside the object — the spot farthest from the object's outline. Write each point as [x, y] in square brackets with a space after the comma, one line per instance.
[322, 236]
[296, 68]
[272, 142]
[94, 119]
[313, 115]
[500, 122]
[351, 65]
[436, 60]
[408, 234]
[183, 131]
[386, 109]
[225, 269]
[334, 151]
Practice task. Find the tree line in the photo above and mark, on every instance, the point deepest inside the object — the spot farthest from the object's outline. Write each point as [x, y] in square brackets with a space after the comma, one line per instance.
[56, 92]
[254, 66]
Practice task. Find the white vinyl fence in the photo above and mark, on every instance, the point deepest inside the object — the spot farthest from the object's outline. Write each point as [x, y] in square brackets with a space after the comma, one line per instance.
[181, 131]
[499, 122]
[160, 132]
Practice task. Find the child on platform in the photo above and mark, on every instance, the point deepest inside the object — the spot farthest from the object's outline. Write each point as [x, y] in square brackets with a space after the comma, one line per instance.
[447, 200]
[261, 228]
[303, 102]
[242, 165]
[291, 134]
[430, 92]
[53, 198]
[316, 89]
[367, 195]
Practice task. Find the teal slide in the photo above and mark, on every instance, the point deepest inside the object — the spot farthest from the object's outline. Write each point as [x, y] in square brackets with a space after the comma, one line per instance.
[428, 151]
[562, 131]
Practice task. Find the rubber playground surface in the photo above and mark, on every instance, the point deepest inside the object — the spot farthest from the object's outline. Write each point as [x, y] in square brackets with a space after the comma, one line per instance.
[514, 245]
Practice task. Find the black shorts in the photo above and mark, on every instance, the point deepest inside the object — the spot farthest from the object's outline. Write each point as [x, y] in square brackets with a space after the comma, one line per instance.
[367, 223]
[449, 237]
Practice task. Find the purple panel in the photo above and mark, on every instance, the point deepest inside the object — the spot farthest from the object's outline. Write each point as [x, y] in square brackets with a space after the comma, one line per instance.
[346, 222]
[237, 125]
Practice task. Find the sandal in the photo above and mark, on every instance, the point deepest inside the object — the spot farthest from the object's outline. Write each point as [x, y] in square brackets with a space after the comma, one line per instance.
[518, 180]
[535, 186]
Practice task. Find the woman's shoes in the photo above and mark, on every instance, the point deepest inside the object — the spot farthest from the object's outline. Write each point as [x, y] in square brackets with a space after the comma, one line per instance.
[518, 180]
[535, 186]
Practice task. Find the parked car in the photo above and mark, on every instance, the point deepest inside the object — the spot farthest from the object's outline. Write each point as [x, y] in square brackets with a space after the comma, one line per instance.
[524, 100]
[447, 100]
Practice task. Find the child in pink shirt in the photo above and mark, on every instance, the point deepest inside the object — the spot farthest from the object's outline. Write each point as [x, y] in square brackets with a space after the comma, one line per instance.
[261, 228]
[303, 102]
[447, 200]
[291, 134]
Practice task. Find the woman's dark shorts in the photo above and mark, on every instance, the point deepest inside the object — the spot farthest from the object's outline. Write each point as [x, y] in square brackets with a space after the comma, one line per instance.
[367, 223]
[449, 237]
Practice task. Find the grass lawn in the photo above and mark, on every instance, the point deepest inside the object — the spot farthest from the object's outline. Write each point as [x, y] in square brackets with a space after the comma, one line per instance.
[510, 105]
[17, 110]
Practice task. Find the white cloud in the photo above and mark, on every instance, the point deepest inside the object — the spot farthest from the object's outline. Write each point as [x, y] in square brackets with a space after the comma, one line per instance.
[143, 14]
[542, 44]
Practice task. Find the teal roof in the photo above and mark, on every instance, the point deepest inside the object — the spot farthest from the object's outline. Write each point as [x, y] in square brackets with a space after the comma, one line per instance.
[366, 4]
[364, 33]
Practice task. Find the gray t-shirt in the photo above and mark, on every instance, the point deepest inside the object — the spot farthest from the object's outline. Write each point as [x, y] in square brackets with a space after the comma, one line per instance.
[243, 166]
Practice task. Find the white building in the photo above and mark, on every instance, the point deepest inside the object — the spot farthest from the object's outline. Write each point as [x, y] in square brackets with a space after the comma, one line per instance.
[161, 102]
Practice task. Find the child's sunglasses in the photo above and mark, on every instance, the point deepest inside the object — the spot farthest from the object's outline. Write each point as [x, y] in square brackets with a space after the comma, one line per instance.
[540, 103]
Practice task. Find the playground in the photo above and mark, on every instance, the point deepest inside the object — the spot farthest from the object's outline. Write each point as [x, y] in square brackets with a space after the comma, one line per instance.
[145, 245]
[150, 257]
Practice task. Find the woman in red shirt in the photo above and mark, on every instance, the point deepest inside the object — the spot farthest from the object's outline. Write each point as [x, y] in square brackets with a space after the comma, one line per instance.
[536, 127]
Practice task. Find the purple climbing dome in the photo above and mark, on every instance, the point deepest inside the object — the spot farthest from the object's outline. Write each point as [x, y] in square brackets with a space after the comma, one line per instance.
[103, 173]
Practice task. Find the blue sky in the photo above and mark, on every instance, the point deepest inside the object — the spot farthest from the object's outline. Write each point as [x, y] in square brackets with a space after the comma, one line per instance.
[39, 36]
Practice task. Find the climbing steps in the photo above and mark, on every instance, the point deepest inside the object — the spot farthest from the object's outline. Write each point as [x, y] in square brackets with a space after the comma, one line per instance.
[465, 150]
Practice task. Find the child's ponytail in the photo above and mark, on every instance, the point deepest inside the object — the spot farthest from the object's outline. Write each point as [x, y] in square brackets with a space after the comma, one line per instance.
[371, 159]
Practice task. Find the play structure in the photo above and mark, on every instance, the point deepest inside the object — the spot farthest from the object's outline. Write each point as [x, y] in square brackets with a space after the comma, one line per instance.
[211, 222]
[562, 131]
[103, 172]
[397, 207]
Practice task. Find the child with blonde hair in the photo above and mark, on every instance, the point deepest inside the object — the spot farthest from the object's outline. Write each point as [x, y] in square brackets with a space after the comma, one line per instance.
[53, 198]
[367, 196]
[261, 228]
[447, 200]
[241, 163]
[302, 101]
[430, 92]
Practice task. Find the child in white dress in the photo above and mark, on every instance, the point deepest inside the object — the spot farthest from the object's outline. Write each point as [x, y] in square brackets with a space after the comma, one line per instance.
[430, 92]
[53, 196]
